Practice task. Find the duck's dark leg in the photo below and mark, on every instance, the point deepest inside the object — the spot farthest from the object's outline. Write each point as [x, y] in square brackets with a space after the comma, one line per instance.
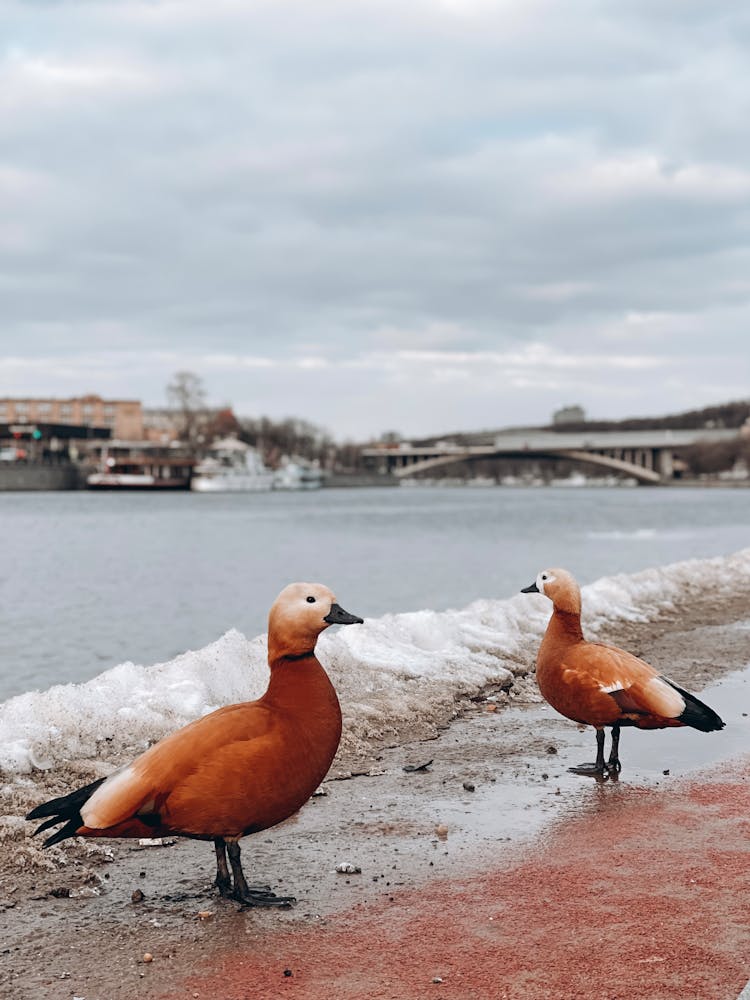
[223, 880]
[261, 896]
[613, 764]
[599, 767]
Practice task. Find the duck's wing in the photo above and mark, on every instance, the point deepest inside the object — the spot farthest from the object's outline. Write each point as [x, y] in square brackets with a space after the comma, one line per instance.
[139, 789]
[636, 688]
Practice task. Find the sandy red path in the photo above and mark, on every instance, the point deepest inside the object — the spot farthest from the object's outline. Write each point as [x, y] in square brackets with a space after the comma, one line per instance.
[646, 897]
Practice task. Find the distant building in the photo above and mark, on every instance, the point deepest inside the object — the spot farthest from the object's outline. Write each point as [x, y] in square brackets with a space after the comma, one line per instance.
[569, 415]
[161, 425]
[164, 424]
[123, 417]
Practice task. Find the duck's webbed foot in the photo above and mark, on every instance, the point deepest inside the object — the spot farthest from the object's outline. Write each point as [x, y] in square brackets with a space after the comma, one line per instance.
[247, 895]
[598, 769]
[258, 897]
[590, 770]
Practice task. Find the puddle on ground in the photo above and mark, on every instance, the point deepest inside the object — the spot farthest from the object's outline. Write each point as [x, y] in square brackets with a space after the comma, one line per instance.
[519, 793]
[646, 754]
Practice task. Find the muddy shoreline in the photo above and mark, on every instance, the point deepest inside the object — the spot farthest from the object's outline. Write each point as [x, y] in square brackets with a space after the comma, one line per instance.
[387, 822]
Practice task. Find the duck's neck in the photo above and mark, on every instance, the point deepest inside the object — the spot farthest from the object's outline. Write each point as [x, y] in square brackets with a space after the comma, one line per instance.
[304, 702]
[299, 681]
[564, 628]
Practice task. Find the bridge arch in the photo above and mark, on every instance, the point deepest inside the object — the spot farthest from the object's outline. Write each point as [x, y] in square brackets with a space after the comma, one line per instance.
[640, 473]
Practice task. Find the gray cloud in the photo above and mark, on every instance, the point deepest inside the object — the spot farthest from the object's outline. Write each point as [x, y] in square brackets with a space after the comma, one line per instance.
[455, 213]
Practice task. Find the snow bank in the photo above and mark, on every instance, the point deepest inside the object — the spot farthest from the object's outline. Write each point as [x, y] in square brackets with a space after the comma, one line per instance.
[392, 673]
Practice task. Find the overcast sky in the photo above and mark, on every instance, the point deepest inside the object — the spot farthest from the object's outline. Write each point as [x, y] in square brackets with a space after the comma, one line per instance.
[433, 215]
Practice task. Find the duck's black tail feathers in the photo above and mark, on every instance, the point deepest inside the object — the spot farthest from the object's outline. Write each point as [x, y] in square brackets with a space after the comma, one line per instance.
[67, 810]
[697, 714]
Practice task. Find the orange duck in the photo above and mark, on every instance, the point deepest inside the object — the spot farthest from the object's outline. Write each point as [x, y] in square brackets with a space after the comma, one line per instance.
[600, 685]
[239, 770]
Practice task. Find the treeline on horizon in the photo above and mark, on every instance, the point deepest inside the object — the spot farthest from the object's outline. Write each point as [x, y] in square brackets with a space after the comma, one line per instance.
[722, 415]
[729, 415]
[199, 425]
[290, 436]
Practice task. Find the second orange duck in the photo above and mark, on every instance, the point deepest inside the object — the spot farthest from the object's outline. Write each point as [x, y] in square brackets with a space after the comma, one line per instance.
[600, 685]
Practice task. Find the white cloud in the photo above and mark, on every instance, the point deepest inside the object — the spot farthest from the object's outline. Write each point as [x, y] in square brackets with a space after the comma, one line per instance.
[434, 211]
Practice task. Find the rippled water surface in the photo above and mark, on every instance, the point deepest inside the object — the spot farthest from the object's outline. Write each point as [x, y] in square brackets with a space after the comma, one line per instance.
[88, 580]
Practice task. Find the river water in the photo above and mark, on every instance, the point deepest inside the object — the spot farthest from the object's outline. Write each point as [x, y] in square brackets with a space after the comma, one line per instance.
[89, 580]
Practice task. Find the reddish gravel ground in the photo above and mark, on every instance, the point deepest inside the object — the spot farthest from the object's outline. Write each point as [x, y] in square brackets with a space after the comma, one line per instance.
[645, 897]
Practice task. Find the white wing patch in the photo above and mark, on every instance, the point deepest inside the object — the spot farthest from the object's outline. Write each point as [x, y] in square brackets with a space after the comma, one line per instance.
[667, 701]
[97, 812]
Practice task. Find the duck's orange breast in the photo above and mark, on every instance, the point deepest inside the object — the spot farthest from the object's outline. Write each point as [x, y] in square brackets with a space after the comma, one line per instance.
[567, 684]
[242, 768]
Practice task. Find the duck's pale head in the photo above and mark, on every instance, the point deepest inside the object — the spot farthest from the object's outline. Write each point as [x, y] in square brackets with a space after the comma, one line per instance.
[561, 588]
[299, 614]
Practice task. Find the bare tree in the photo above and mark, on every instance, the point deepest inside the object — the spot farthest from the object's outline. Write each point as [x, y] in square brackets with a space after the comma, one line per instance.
[292, 436]
[187, 395]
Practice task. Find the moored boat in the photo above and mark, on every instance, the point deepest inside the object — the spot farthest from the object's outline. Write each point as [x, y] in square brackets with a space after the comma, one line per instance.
[141, 465]
[298, 474]
[231, 466]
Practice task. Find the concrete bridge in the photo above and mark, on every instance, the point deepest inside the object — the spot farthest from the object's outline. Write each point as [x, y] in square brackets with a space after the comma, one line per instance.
[648, 456]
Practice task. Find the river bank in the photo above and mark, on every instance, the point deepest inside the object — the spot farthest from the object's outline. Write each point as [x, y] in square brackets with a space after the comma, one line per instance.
[413, 834]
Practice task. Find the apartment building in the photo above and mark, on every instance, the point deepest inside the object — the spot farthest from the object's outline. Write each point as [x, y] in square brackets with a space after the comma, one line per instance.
[123, 416]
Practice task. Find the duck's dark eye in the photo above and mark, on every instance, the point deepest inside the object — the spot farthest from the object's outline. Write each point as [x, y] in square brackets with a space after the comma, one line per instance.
[544, 577]
[311, 600]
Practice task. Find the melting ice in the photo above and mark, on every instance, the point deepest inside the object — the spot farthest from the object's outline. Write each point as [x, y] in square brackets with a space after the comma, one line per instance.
[393, 673]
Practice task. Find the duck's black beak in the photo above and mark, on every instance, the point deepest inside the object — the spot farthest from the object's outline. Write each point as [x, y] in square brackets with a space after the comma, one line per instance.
[533, 589]
[337, 616]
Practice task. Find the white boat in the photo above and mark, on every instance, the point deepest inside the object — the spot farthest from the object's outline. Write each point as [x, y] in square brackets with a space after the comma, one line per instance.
[298, 475]
[139, 465]
[231, 466]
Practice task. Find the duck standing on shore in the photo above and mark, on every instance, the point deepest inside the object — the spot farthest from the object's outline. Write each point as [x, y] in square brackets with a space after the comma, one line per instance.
[239, 770]
[600, 685]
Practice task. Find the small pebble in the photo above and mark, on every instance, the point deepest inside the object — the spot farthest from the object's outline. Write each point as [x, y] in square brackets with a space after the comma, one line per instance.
[437, 979]
[85, 892]
[490, 708]
[551, 749]
[442, 831]
[205, 914]
[287, 972]
[665, 771]
[137, 896]
[148, 957]
[469, 787]
[347, 868]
